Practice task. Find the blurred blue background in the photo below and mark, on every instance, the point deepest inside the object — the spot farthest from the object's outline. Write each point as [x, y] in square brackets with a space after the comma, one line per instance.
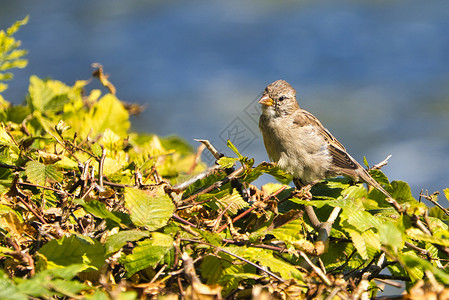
[376, 73]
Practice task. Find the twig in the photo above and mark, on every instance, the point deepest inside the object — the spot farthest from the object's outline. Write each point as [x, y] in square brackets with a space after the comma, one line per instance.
[431, 199]
[390, 282]
[158, 274]
[211, 148]
[184, 185]
[217, 184]
[421, 250]
[25, 256]
[103, 78]
[197, 158]
[238, 257]
[316, 269]
[381, 164]
[392, 277]
[44, 187]
[32, 210]
[181, 220]
[100, 168]
[252, 208]
[16, 168]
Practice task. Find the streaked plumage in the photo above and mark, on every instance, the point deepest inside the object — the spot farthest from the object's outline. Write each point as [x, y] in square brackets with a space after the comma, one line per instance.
[299, 143]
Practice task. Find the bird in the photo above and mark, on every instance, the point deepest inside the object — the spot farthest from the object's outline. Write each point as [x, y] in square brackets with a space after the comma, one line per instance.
[300, 145]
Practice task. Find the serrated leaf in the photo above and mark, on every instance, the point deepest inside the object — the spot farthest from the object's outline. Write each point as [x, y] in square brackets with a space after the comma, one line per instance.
[265, 258]
[359, 242]
[372, 242]
[74, 249]
[148, 253]
[362, 220]
[118, 240]
[220, 270]
[146, 211]
[39, 173]
[233, 202]
[379, 176]
[413, 265]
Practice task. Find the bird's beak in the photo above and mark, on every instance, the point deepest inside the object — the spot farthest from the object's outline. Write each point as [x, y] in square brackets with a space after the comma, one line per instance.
[265, 100]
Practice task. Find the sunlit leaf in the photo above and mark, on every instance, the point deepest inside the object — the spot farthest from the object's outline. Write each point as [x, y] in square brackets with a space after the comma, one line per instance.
[148, 253]
[73, 250]
[40, 173]
[147, 211]
[118, 240]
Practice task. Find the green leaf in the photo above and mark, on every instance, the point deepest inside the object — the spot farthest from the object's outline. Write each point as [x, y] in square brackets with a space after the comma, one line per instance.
[265, 258]
[446, 193]
[401, 191]
[8, 290]
[390, 235]
[227, 162]
[233, 202]
[416, 266]
[234, 149]
[418, 235]
[96, 149]
[148, 253]
[268, 168]
[10, 56]
[74, 249]
[99, 210]
[379, 176]
[40, 173]
[109, 112]
[48, 95]
[116, 241]
[146, 211]
[362, 220]
[365, 162]
[13, 29]
[221, 270]
[359, 242]
[372, 242]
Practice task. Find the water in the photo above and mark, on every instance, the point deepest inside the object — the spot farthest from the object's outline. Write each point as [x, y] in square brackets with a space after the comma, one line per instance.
[375, 73]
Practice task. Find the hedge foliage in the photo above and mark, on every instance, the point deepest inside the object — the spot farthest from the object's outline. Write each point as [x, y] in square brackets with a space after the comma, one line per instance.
[91, 210]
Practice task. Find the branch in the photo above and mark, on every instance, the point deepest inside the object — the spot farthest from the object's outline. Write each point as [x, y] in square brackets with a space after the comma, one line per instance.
[381, 164]
[238, 257]
[211, 148]
[217, 184]
[316, 269]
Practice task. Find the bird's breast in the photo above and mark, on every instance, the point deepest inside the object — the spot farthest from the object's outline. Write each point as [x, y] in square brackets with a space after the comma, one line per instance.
[299, 150]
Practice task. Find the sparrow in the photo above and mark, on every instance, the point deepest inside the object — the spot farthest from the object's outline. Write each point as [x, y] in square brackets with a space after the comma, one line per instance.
[300, 145]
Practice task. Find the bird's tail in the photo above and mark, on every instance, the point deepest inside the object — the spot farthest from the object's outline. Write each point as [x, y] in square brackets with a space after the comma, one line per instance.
[366, 177]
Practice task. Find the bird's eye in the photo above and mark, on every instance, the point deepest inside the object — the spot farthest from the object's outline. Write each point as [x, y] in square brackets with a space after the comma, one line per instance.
[282, 98]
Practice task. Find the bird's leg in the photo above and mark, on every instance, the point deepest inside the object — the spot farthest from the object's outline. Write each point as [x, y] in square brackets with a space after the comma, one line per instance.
[304, 189]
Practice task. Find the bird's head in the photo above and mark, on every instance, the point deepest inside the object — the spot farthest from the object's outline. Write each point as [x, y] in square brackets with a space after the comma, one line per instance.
[279, 99]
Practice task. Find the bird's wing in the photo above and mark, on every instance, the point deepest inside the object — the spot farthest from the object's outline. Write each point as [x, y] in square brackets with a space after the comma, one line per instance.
[304, 118]
[340, 157]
